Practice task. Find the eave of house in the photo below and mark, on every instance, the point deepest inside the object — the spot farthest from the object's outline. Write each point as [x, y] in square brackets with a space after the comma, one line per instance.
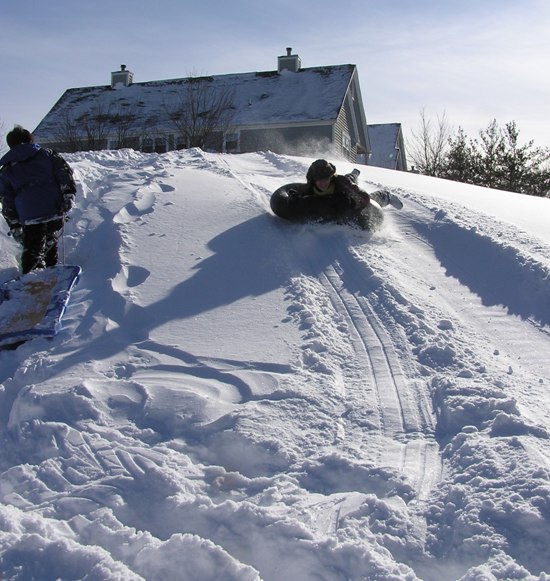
[288, 124]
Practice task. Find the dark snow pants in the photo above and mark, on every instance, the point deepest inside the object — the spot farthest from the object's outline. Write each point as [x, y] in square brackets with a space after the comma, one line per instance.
[40, 245]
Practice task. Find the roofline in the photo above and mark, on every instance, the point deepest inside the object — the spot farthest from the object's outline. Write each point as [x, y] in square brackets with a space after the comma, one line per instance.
[378, 124]
[179, 79]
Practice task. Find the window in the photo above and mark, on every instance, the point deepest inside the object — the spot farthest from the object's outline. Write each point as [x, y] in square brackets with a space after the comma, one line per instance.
[181, 142]
[154, 144]
[346, 145]
[147, 144]
[160, 144]
[231, 142]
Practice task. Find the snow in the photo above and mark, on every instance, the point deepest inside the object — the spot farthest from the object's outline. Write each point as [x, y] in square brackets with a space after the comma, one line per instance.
[235, 397]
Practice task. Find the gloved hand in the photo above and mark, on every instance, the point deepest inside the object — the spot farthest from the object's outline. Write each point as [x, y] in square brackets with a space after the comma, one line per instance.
[363, 199]
[16, 230]
[67, 189]
[67, 204]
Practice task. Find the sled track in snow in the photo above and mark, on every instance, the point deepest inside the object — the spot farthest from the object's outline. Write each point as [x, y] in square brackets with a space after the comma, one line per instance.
[401, 405]
[382, 405]
[372, 350]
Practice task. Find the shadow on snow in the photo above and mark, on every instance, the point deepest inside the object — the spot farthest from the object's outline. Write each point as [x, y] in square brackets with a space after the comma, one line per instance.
[497, 274]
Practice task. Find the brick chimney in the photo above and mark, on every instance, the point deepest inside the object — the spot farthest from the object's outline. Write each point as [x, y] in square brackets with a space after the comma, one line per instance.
[289, 62]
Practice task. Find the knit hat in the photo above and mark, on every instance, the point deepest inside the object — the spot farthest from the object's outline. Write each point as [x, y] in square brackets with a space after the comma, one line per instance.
[17, 136]
[320, 170]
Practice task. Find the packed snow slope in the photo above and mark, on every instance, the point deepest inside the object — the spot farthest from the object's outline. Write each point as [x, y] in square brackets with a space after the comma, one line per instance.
[234, 397]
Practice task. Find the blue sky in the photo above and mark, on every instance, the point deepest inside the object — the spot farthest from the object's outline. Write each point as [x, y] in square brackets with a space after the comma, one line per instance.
[474, 61]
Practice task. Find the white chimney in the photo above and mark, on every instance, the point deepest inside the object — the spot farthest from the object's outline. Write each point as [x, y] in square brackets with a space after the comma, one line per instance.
[289, 62]
[122, 77]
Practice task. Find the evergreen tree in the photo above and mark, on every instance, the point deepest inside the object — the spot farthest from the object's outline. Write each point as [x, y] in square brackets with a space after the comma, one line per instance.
[525, 169]
[497, 160]
[461, 162]
[490, 157]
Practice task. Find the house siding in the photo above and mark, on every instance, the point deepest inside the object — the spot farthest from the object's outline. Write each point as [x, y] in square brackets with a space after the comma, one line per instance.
[291, 140]
[358, 121]
[350, 131]
[342, 133]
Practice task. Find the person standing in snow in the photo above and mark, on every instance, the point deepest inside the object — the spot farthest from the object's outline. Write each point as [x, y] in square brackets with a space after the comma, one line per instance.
[37, 190]
[328, 197]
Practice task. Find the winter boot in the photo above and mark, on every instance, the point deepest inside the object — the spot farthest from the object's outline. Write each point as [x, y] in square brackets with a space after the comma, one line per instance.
[386, 198]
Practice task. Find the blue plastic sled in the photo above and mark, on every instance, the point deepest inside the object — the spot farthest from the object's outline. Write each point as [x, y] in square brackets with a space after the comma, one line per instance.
[33, 304]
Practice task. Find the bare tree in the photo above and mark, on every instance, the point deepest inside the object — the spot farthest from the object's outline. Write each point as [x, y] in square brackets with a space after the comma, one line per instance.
[67, 134]
[428, 146]
[200, 111]
[95, 126]
[93, 129]
[123, 122]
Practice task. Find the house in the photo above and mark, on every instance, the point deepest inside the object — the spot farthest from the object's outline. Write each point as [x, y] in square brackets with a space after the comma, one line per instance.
[290, 110]
[387, 146]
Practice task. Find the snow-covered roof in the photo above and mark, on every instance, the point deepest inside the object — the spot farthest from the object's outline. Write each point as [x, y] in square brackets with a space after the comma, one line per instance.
[383, 139]
[259, 98]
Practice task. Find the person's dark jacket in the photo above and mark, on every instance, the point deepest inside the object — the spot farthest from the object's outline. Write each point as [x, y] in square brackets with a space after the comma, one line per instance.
[343, 186]
[36, 185]
[345, 200]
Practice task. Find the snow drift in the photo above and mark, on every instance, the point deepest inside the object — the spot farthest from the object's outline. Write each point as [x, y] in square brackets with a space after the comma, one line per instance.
[235, 397]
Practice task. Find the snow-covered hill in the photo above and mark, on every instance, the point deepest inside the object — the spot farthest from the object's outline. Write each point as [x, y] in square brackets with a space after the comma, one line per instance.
[234, 397]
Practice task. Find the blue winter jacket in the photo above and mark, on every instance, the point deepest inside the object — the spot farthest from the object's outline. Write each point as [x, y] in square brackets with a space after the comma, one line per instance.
[36, 185]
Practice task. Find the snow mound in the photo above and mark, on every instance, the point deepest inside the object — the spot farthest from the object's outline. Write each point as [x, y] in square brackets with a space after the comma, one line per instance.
[235, 397]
